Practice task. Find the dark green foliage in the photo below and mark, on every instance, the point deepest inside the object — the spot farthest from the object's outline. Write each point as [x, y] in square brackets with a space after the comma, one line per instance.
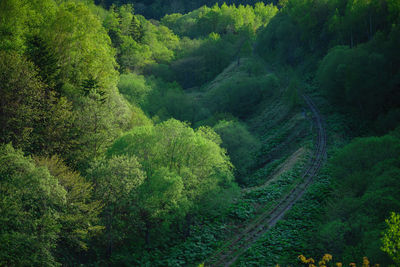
[366, 174]
[241, 145]
[97, 123]
[39, 52]
[364, 79]
[30, 114]
[362, 76]
[305, 29]
[207, 61]
[22, 96]
[290, 237]
[280, 41]
[240, 94]
[116, 182]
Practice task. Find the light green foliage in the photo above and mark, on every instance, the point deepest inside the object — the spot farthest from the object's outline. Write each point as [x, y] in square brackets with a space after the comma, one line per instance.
[65, 40]
[81, 45]
[20, 19]
[391, 238]
[134, 87]
[201, 163]
[220, 19]
[241, 145]
[161, 100]
[115, 178]
[182, 167]
[160, 202]
[161, 42]
[139, 42]
[163, 194]
[12, 17]
[225, 34]
[73, 55]
[79, 220]
[31, 202]
[174, 145]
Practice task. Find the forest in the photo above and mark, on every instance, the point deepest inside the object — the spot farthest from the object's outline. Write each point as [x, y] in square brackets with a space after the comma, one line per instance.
[200, 133]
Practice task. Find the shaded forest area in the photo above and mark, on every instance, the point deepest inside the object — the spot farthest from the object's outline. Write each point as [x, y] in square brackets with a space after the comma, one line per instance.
[131, 130]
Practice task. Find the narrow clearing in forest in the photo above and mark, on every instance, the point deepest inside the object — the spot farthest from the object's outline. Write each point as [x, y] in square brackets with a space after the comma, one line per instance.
[228, 254]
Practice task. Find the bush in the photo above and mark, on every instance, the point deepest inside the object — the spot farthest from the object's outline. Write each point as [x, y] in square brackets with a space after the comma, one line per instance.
[241, 145]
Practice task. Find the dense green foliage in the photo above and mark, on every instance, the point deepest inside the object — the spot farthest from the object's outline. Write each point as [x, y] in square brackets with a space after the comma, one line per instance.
[364, 79]
[366, 175]
[47, 211]
[391, 237]
[241, 145]
[358, 43]
[158, 8]
[124, 138]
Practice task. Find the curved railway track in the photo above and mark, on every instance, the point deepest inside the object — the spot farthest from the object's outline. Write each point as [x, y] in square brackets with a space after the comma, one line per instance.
[228, 254]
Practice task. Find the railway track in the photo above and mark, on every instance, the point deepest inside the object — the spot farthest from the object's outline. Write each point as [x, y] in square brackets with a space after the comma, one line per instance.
[228, 254]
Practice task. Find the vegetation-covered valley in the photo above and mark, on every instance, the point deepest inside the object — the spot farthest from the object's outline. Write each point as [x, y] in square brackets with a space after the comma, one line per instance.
[199, 133]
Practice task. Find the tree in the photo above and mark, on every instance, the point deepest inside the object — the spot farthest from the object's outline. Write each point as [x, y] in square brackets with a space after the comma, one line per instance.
[160, 201]
[40, 53]
[22, 93]
[366, 176]
[116, 182]
[182, 168]
[98, 122]
[82, 47]
[391, 238]
[241, 145]
[31, 201]
[342, 74]
[79, 218]
[13, 15]
[33, 118]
